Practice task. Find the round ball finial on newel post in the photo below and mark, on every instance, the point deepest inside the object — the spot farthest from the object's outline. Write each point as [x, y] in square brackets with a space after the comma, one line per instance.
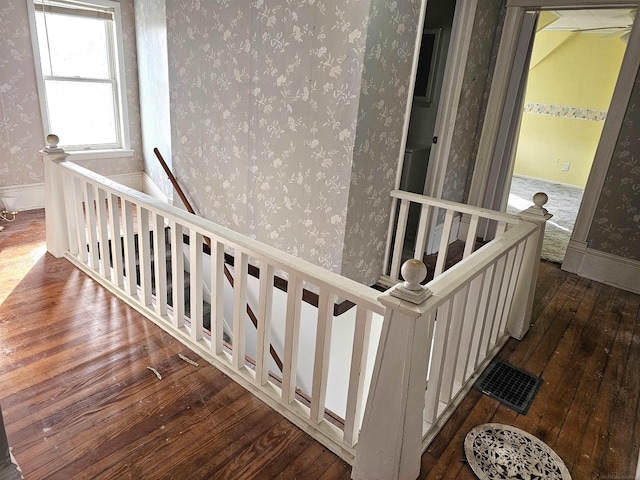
[414, 272]
[52, 144]
[540, 199]
[52, 141]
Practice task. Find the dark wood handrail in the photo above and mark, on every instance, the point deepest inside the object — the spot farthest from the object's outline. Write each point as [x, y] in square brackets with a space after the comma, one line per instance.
[207, 240]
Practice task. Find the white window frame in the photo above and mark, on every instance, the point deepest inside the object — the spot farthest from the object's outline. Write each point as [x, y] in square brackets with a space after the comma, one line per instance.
[122, 119]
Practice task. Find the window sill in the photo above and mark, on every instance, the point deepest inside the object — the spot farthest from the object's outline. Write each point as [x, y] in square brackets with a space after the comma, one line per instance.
[99, 154]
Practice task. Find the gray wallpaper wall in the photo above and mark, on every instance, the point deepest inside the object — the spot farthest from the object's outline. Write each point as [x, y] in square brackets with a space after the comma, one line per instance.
[385, 81]
[616, 224]
[265, 100]
[153, 77]
[21, 131]
[21, 134]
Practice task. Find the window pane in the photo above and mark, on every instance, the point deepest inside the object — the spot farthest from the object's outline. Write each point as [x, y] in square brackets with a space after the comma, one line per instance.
[76, 47]
[82, 113]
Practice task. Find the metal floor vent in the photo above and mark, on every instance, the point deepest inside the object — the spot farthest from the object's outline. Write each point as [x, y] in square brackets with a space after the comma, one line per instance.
[511, 386]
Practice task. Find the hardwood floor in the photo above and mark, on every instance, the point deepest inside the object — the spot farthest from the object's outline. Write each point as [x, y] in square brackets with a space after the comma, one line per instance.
[80, 402]
[585, 343]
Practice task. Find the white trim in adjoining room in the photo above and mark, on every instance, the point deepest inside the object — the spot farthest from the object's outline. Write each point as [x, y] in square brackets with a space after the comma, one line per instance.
[31, 196]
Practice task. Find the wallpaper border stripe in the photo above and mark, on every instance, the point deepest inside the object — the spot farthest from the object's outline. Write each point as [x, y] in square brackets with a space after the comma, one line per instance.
[565, 111]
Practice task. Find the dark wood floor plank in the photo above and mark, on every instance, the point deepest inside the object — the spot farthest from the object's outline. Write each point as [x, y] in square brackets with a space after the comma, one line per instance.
[445, 456]
[630, 390]
[577, 441]
[519, 353]
[552, 360]
[609, 410]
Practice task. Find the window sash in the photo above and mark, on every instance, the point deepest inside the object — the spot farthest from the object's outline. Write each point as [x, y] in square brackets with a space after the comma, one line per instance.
[83, 128]
[116, 80]
[76, 10]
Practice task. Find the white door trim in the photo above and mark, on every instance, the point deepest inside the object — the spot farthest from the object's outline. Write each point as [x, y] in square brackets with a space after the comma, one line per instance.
[412, 83]
[610, 132]
[495, 104]
[576, 256]
[504, 64]
[456, 61]
[463, 19]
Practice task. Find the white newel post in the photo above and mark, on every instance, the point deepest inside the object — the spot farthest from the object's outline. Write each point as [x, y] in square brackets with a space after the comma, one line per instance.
[390, 442]
[520, 315]
[54, 207]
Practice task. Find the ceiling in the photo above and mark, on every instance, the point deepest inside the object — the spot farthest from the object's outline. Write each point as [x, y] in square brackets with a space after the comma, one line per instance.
[597, 21]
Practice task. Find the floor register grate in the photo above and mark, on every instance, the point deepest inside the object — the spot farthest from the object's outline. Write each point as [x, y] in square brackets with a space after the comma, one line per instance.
[511, 386]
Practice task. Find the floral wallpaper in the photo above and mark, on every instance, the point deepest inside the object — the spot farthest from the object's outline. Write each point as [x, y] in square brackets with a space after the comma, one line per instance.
[616, 223]
[385, 81]
[21, 132]
[475, 87]
[265, 100]
[565, 111]
[153, 77]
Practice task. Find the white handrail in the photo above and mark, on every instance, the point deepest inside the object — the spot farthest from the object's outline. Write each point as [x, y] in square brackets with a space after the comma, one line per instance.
[458, 207]
[431, 210]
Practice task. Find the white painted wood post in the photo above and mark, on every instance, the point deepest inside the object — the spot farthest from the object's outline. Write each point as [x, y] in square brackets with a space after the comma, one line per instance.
[520, 314]
[54, 207]
[390, 443]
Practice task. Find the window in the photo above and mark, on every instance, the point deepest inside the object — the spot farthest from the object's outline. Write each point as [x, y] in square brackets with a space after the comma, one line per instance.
[78, 52]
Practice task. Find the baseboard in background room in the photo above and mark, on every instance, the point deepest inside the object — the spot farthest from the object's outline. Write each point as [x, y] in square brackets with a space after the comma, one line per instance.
[31, 196]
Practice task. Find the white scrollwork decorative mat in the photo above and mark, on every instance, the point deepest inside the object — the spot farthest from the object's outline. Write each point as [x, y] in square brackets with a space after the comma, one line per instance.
[495, 452]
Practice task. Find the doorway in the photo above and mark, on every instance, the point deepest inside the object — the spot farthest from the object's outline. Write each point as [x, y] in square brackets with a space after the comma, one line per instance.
[430, 72]
[573, 69]
[579, 258]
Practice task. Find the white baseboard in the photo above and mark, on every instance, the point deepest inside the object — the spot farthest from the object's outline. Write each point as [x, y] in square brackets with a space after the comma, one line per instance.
[131, 180]
[150, 188]
[31, 196]
[602, 267]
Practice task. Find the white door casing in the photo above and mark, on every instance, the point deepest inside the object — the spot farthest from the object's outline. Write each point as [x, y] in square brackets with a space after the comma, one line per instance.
[577, 258]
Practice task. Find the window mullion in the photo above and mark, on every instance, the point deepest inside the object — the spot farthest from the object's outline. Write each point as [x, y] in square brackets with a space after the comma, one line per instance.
[111, 81]
[113, 73]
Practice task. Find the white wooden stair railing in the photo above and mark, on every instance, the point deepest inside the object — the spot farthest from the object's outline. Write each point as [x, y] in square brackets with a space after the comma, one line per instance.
[85, 210]
[442, 230]
[435, 339]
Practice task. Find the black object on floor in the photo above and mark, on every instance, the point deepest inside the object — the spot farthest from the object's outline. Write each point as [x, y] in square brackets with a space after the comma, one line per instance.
[511, 386]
